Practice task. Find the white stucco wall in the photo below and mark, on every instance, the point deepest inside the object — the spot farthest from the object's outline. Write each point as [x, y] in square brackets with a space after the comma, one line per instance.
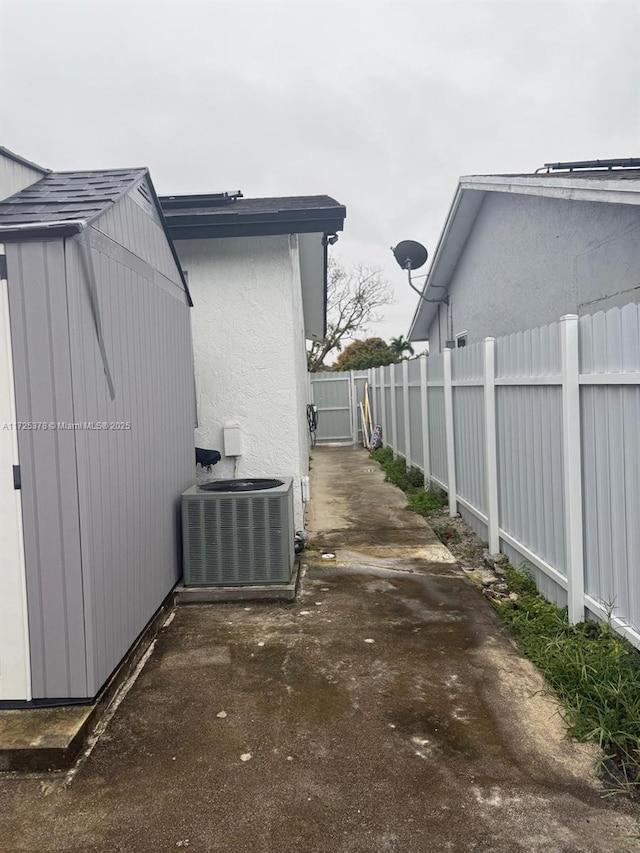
[529, 260]
[250, 356]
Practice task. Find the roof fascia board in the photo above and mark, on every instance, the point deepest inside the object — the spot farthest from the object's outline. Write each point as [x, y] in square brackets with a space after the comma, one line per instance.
[206, 230]
[581, 189]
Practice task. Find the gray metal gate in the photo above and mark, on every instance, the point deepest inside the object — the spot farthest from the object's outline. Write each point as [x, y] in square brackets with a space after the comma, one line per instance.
[337, 396]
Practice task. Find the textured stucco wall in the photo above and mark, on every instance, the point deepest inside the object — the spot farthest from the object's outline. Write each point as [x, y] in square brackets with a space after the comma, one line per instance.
[250, 362]
[529, 260]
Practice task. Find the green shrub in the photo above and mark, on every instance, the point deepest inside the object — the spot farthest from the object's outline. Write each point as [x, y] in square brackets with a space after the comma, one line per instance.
[382, 455]
[425, 502]
[396, 471]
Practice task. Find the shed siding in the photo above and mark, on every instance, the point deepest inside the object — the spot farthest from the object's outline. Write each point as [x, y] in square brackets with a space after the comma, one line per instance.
[129, 480]
[15, 176]
[43, 392]
[100, 506]
[529, 260]
[131, 226]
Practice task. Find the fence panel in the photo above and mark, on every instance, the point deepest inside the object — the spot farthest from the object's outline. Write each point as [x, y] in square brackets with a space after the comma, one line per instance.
[610, 350]
[529, 426]
[468, 419]
[398, 391]
[415, 414]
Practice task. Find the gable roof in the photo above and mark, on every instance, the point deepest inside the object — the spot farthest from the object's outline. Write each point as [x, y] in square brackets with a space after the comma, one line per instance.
[613, 186]
[65, 203]
[230, 215]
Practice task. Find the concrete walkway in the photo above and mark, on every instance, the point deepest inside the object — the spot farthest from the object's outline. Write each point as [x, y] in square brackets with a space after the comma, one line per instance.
[382, 711]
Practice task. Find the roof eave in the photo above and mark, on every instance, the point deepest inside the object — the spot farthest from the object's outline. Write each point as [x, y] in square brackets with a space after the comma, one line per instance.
[41, 230]
[265, 226]
[566, 187]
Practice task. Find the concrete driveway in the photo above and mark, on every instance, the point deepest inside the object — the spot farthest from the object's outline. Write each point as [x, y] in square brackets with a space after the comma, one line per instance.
[383, 711]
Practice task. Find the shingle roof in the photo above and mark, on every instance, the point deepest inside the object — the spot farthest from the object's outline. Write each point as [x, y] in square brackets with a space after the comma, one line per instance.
[68, 196]
[66, 202]
[219, 216]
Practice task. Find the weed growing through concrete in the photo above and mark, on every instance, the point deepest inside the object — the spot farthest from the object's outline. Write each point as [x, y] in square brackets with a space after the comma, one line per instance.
[594, 672]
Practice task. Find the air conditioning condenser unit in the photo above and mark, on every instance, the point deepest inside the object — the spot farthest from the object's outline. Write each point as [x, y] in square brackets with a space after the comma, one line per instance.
[240, 536]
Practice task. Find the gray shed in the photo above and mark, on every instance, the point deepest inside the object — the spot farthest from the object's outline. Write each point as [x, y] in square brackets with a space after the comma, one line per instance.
[96, 436]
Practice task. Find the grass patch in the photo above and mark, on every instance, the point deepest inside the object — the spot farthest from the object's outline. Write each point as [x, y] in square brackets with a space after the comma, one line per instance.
[594, 672]
[410, 480]
[426, 502]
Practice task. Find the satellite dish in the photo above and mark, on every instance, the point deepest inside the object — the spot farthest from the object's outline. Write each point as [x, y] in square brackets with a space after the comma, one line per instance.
[410, 255]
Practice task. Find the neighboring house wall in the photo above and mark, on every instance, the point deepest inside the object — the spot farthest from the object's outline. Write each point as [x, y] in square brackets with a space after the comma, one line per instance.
[15, 176]
[529, 260]
[250, 357]
[100, 507]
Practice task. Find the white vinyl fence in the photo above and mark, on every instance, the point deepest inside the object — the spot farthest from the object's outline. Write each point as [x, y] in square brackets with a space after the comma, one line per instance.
[536, 439]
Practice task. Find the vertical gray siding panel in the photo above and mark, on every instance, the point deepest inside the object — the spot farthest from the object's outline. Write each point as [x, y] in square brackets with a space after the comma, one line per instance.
[128, 225]
[129, 480]
[15, 176]
[40, 338]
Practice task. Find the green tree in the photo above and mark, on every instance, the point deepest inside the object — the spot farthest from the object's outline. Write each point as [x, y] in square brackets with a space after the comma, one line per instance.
[353, 297]
[360, 355]
[399, 346]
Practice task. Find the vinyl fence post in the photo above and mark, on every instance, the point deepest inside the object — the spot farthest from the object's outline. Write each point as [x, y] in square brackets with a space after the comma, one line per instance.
[490, 448]
[383, 408]
[405, 406]
[353, 390]
[572, 467]
[394, 414]
[372, 397]
[449, 434]
[424, 419]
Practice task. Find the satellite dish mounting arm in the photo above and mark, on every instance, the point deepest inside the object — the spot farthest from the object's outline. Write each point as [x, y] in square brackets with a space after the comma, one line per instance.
[411, 255]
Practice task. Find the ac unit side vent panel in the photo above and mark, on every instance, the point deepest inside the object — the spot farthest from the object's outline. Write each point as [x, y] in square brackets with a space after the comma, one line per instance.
[236, 539]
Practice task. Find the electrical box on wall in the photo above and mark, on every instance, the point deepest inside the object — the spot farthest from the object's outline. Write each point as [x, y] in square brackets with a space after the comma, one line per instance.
[232, 441]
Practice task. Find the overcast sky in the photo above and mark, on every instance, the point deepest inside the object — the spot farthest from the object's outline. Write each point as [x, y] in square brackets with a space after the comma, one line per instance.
[382, 105]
